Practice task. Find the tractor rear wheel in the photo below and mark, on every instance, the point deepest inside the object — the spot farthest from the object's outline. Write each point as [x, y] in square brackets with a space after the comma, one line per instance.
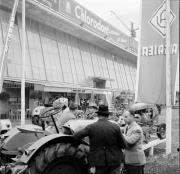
[60, 158]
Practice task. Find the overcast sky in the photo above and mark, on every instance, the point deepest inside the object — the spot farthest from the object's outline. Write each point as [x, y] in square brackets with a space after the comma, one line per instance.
[127, 10]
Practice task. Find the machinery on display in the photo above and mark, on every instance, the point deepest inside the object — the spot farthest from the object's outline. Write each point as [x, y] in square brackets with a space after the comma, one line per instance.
[147, 117]
[36, 149]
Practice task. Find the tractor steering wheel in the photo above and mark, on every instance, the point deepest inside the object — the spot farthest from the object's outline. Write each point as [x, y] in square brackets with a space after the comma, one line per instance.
[50, 112]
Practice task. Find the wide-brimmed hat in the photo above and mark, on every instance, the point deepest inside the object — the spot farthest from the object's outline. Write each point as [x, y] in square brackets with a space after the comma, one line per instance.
[103, 110]
[93, 105]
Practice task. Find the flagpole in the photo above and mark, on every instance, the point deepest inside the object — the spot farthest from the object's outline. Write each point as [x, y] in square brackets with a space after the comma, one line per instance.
[23, 65]
[138, 58]
[168, 83]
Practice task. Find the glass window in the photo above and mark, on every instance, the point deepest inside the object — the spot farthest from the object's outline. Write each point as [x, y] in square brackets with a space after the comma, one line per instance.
[128, 75]
[104, 66]
[35, 51]
[64, 57]
[112, 74]
[95, 62]
[51, 55]
[71, 59]
[77, 59]
[134, 70]
[86, 59]
[14, 52]
[96, 51]
[122, 71]
[28, 68]
[2, 39]
[118, 73]
[132, 74]
[1, 36]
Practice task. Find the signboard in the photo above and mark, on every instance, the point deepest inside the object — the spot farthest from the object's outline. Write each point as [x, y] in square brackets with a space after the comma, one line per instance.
[74, 11]
[151, 83]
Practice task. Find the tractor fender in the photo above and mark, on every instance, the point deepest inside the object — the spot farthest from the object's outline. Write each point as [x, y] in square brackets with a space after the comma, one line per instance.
[44, 142]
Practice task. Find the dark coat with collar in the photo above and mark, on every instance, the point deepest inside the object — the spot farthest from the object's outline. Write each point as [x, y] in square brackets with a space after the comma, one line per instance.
[106, 142]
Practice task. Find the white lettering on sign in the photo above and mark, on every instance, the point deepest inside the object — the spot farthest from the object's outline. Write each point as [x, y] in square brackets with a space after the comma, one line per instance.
[82, 15]
[158, 50]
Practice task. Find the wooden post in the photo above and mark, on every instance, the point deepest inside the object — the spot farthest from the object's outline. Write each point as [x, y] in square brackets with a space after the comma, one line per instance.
[151, 151]
[23, 65]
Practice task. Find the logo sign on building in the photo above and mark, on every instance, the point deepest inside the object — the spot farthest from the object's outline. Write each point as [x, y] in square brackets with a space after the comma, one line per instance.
[158, 19]
[77, 13]
[151, 83]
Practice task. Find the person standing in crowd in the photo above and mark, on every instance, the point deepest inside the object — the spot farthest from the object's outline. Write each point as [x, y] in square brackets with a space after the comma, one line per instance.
[134, 155]
[106, 143]
[68, 115]
[92, 109]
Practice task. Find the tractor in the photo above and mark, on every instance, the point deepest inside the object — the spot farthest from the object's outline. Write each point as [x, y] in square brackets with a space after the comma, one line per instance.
[36, 149]
[33, 149]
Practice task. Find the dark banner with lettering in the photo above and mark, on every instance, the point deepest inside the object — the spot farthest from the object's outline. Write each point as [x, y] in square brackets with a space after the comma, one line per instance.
[74, 11]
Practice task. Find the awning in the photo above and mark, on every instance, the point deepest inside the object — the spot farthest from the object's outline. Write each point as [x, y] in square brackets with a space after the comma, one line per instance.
[71, 89]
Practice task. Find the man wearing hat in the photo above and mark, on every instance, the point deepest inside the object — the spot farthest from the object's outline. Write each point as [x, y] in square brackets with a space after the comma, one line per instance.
[106, 143]
[92, 109]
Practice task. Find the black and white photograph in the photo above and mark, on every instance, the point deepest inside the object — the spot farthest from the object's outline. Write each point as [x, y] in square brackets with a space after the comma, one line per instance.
[89, 87]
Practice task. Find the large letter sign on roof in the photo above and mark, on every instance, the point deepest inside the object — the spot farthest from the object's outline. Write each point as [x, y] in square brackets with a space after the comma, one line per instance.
[79, 14]
[151, 76]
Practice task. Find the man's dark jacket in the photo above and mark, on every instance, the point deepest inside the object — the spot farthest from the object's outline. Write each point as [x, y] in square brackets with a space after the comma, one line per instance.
[106, 142]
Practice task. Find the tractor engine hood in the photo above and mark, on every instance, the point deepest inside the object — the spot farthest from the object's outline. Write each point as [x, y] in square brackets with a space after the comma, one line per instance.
[19, 137]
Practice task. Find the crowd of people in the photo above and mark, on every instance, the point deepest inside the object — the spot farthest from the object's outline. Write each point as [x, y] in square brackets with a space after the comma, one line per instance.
[109, 145]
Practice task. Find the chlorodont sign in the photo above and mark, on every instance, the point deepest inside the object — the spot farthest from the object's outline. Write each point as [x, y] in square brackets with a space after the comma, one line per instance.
[90, 21]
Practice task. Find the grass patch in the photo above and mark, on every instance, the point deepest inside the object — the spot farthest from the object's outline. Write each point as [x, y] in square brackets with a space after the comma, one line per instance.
[161, 163]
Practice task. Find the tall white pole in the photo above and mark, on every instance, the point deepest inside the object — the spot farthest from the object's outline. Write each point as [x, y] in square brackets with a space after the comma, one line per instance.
[23, 65]
[168, 82]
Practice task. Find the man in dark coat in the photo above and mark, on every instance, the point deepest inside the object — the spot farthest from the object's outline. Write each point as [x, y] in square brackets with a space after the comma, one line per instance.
[106, 143]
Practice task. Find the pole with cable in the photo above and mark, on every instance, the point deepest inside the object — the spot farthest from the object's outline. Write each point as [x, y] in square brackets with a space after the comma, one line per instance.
[168, 82]
[23, 65]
